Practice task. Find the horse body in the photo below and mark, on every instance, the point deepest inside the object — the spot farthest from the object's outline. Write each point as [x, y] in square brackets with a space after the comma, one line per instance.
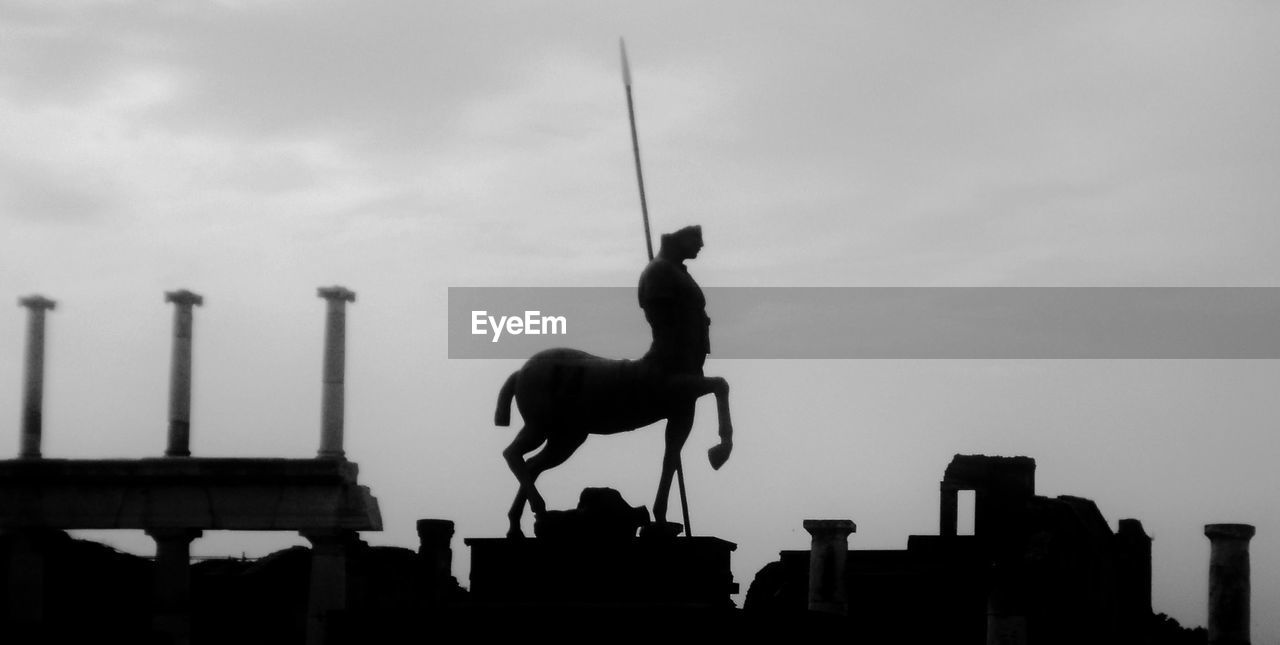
[564, 395]
[573, 389]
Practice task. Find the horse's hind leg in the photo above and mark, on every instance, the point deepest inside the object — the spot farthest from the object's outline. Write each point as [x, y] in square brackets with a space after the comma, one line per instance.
[559, 448]
[526, 441]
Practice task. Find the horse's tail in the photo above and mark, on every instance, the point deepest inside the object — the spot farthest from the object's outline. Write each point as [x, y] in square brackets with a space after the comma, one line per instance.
[502, 416]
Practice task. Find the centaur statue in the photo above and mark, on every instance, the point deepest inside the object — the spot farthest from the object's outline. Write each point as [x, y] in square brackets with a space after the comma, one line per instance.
[565, 394]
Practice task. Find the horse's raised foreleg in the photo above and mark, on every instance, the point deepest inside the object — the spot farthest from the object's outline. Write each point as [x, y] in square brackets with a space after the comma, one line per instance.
[692, 387]
[678, 426]
[720, 454]
[526, 441]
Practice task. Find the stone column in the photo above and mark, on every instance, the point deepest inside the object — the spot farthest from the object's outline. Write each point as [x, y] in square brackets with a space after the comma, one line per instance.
[1229, 583]
[180, 373]
[172, 599]
[33, 390]
[335, 362]
[436, 553]
[25, 585]
[949, 509]
[828, 551]
[328, 602]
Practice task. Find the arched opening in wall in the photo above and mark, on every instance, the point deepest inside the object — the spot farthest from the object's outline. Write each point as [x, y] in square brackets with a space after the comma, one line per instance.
[966, 512]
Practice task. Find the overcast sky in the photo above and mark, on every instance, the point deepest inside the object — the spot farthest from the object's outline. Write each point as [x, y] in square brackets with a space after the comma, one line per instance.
[252, 151]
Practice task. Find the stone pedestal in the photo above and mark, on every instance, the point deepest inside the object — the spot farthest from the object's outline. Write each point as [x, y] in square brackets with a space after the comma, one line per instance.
[1229, 583]
[828, 550]
[633, 573]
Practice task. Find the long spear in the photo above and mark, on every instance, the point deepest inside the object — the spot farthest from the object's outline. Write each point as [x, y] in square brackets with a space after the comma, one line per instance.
[635, 148]
[648, 243]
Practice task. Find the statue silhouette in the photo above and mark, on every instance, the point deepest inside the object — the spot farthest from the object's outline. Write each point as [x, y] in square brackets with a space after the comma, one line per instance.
[565, 395]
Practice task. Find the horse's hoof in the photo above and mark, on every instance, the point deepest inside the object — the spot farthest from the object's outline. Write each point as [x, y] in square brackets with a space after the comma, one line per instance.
[718, 455]
[515, 534]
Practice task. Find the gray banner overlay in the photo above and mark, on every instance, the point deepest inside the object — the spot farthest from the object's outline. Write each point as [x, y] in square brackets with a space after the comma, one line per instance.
[908, 322]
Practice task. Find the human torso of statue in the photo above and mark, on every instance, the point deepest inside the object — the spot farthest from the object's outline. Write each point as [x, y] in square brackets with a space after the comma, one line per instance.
[677, 314]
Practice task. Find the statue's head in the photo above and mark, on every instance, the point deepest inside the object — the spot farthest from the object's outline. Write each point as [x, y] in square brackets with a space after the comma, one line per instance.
[683, 244]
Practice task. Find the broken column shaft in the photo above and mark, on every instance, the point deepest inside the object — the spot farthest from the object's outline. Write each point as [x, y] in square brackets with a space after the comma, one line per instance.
[1229, 583]
[180, 373]
[436, 555]
[828, 551]
[330, 598]
[335, 361]
[33, 390]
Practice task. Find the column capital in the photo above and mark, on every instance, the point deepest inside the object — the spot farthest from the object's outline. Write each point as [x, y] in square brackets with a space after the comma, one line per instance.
[182, 297]
[1229, 531]
[336, 294]
[830, 527]
[37, 302]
